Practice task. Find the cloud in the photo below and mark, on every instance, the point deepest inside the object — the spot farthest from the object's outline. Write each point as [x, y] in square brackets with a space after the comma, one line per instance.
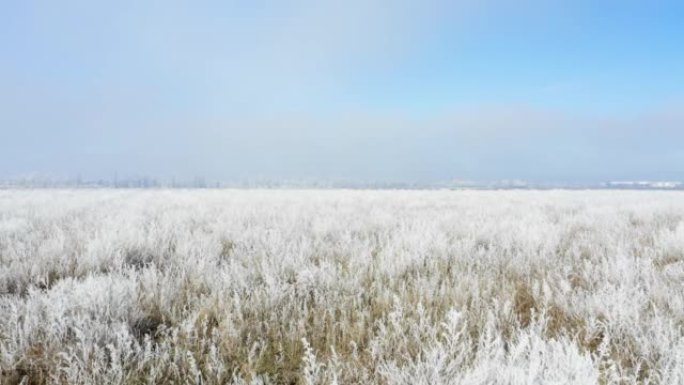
[253, 88]
[120, 132]
[253, 54]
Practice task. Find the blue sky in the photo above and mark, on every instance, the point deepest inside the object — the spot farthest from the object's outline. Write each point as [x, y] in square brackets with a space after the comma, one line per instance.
[375, 90]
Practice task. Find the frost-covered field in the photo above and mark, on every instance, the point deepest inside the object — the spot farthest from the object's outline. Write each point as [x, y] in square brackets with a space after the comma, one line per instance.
[341, 287]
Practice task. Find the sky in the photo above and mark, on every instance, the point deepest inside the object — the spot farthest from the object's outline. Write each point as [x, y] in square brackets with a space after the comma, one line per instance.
[358, 90]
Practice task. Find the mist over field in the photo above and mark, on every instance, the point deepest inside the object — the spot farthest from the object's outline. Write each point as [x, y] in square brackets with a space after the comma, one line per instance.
[341, 287]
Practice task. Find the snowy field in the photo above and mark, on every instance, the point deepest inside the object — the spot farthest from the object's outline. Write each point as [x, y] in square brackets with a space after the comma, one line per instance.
[341, 287]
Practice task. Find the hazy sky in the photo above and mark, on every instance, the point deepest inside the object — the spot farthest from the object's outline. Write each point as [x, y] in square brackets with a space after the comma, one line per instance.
[386, 90]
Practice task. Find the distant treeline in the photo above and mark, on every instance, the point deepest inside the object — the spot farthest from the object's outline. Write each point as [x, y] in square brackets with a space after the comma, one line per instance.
[201, 182]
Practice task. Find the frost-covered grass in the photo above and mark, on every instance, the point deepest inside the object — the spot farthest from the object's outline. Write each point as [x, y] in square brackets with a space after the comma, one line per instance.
[341, 287]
